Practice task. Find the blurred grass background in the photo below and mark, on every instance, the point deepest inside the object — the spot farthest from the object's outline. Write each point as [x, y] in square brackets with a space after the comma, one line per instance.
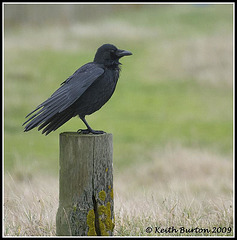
[174, 93]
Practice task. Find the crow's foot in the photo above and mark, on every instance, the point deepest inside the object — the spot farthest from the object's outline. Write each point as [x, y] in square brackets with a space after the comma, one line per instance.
[88, 131]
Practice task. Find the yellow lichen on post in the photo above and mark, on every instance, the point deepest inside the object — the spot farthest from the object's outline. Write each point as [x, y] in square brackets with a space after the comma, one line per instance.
[101, 210]
[112, 194]
[105, 222]
[108, 221]
[74, 208]
[102, 195]
[91, 223]
[103, 228]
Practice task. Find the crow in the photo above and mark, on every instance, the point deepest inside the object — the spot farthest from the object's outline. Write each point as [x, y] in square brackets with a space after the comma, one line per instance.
[83, 93]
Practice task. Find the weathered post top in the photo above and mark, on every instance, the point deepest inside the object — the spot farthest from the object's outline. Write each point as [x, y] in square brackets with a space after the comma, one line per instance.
[76, 134]
[85, 185]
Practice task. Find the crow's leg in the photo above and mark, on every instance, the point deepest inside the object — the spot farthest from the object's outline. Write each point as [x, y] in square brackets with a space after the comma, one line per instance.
[89, 129]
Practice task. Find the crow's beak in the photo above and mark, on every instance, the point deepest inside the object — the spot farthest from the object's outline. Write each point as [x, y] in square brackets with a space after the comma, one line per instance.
[120, 53]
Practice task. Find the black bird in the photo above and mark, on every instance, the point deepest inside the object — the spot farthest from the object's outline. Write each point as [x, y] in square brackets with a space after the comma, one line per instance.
[83, 93]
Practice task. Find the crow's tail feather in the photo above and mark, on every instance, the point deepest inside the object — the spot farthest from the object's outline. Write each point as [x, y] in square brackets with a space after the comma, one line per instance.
[51, 122]
[57, 121]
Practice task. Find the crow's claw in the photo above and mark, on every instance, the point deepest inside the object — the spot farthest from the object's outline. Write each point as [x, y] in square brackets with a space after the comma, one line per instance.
[83, 131]
[88, 131]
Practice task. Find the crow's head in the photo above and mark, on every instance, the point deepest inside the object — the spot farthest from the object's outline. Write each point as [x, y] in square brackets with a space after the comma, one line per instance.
[108, 54]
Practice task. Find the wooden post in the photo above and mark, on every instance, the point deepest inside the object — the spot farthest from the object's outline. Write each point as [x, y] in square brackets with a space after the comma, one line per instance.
[86, 206]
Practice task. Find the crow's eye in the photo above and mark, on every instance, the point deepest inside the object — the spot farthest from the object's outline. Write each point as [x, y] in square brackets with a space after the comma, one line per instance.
[113, 54]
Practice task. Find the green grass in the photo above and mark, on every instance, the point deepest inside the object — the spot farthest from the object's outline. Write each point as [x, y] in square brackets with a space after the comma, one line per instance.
[139, 114]
[176, 88]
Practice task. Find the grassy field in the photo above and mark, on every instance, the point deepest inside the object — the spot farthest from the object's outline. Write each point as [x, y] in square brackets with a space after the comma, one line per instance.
[171, 118]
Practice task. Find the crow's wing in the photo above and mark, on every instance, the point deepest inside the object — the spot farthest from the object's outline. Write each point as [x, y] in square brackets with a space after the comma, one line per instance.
[66, 95]
[76, 85]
